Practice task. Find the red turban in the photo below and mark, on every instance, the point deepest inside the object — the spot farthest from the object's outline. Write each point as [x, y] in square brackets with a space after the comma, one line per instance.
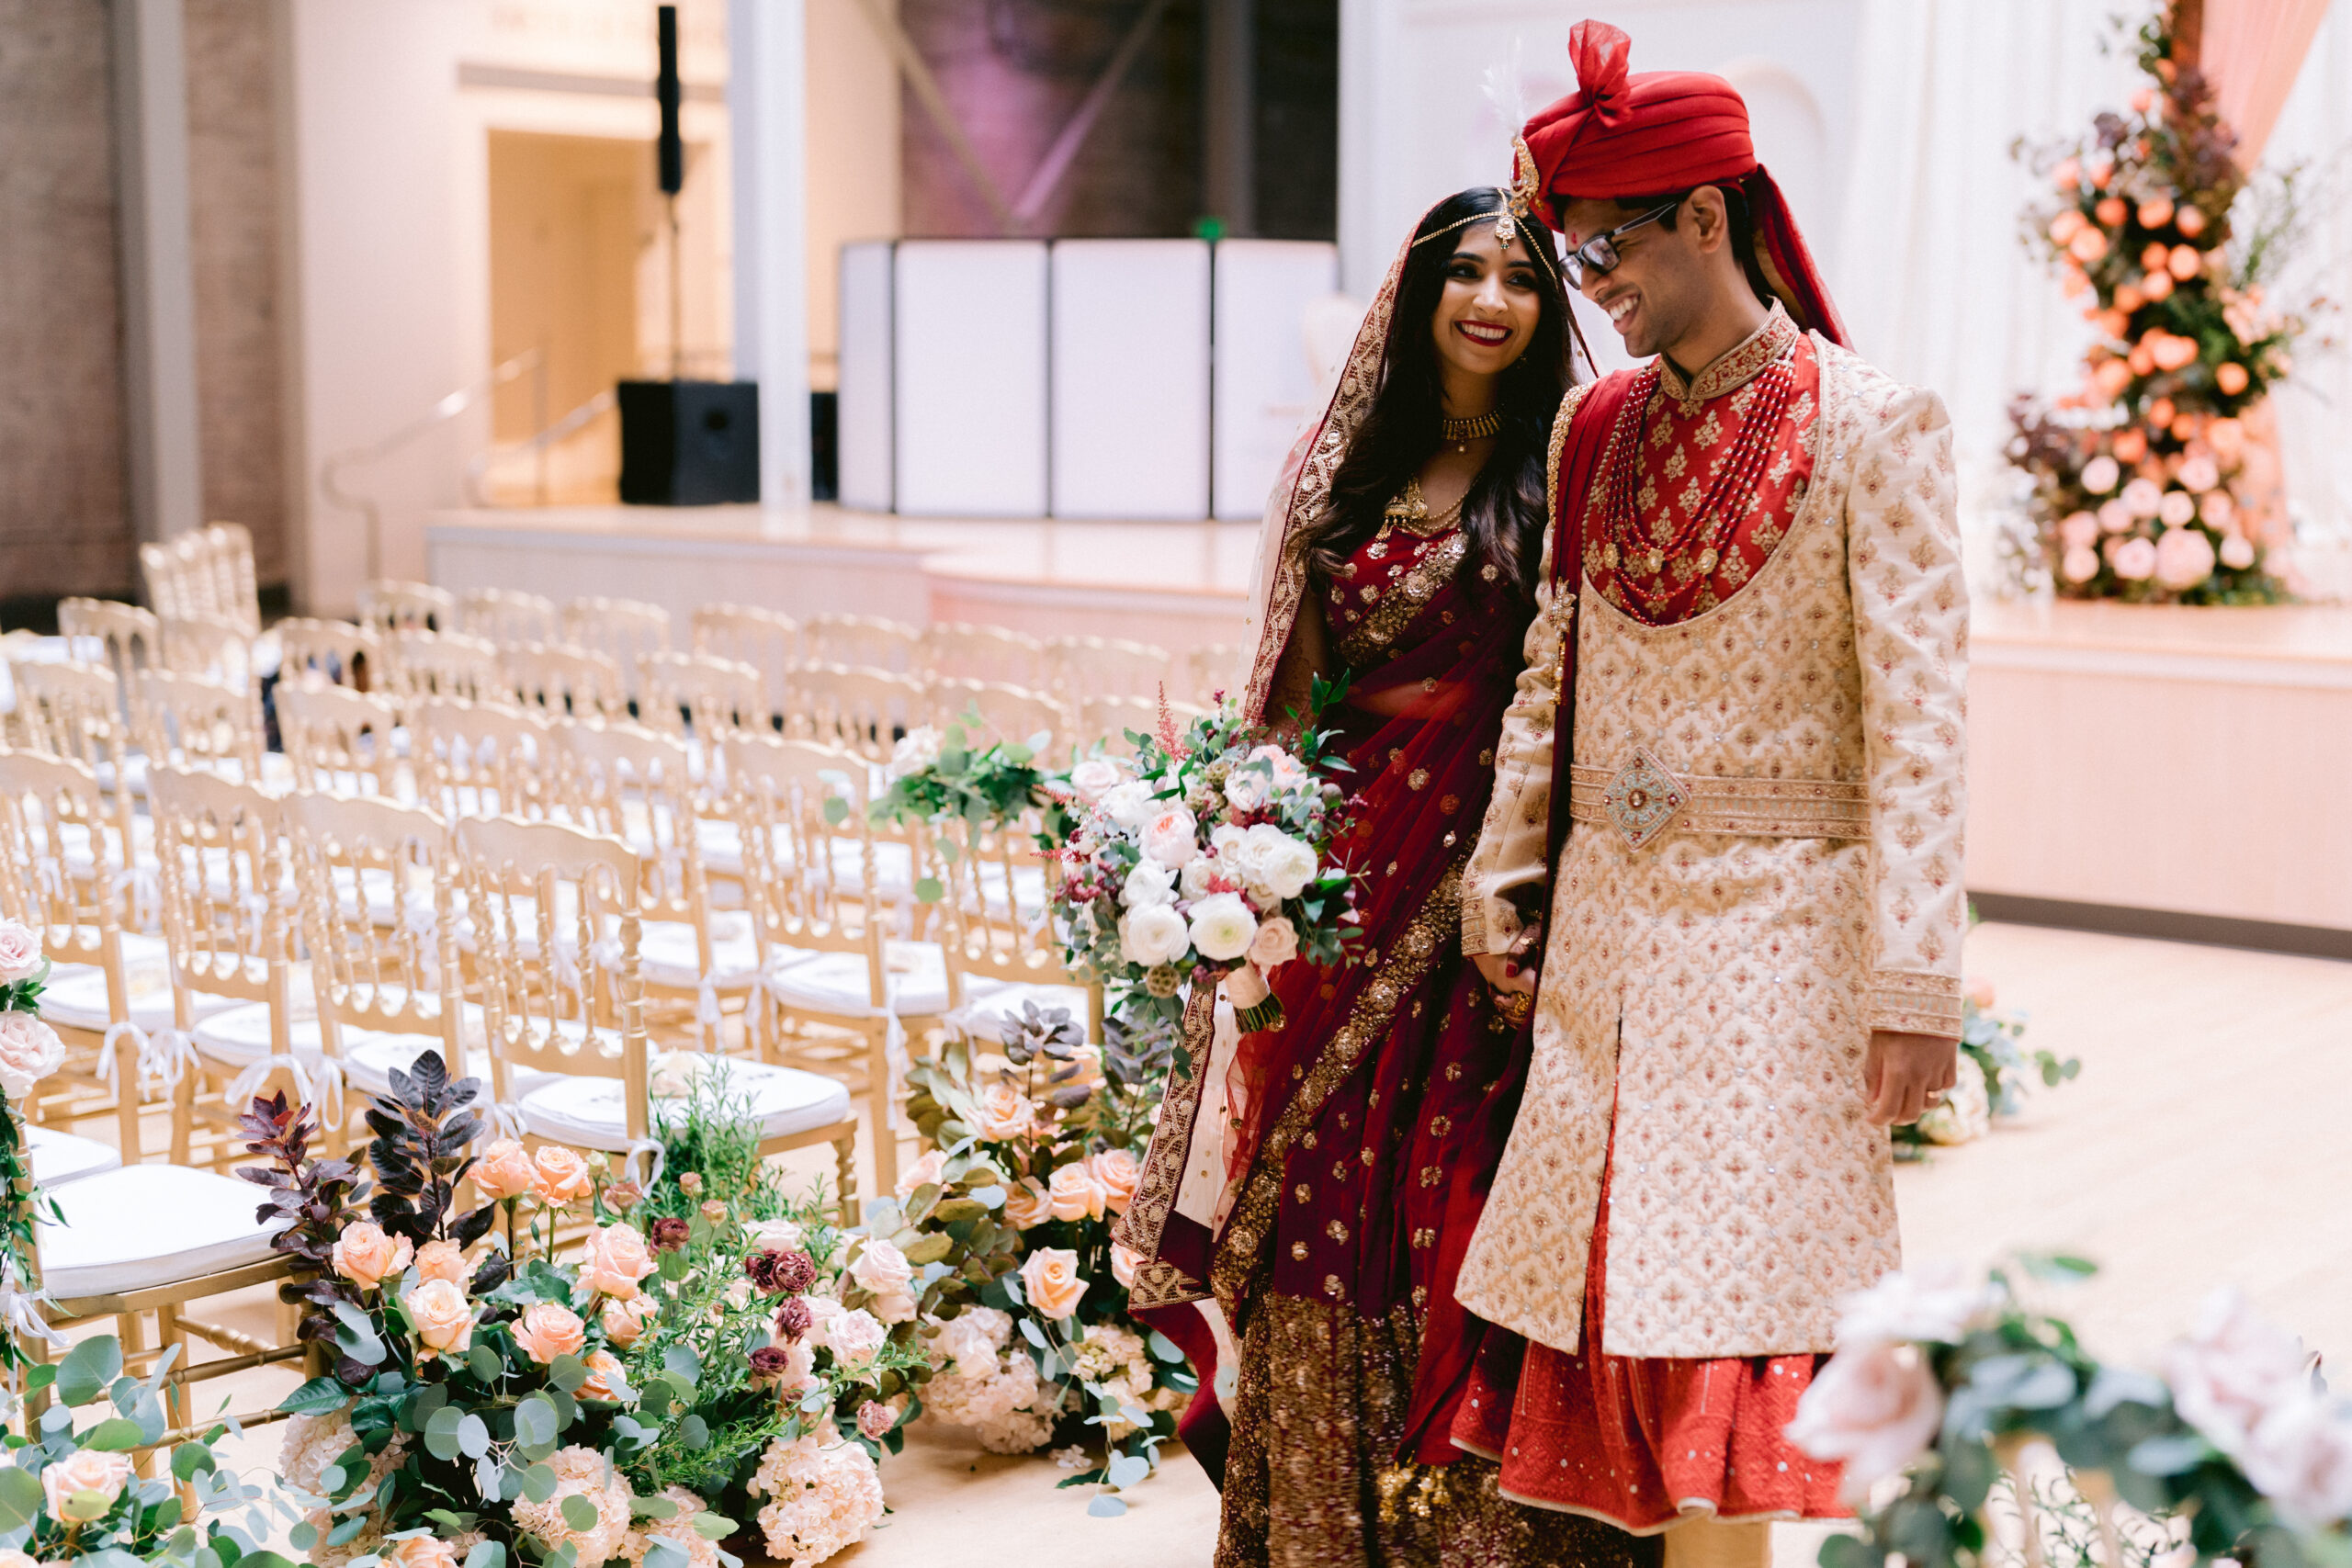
[1621, 135]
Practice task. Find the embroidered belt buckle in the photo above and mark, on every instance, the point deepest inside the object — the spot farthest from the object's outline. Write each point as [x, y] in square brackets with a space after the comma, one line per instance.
[1643, 799]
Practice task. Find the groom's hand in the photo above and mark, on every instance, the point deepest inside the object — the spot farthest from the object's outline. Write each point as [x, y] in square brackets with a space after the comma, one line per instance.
[1503, 975]
[1900, 1071]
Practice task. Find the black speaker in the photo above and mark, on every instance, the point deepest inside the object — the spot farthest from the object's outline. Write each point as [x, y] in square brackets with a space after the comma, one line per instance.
[671, 151]
[689, 443]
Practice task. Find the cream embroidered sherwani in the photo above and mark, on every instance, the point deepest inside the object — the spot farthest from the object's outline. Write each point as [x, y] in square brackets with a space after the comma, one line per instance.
[1710, 993]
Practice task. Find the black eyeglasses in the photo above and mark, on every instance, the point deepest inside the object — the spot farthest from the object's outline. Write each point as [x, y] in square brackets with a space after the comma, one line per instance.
[1599, 253]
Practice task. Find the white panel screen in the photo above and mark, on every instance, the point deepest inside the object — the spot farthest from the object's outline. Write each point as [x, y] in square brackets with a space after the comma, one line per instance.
[1131, 379]
[970, 354]
[864, 431]
[1264, 385]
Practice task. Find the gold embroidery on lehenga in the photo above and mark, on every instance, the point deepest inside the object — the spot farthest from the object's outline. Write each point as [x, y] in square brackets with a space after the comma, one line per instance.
[1404, 601]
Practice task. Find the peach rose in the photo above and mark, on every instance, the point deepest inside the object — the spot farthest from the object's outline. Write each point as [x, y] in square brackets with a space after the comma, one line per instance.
[86, 1469]
[1980, 993]
[923, 1172]
[364, 1255]
[616, 1259]
[1117, 1171]
[1003, 1112]
[420, 1552]
[504, 1171]
[1075, 1194]
[625, 1321]
[1875, 1408]
[603, 1367]
[1026, 1204]
[443, 1319]
[1124, 1261]
[19, 952]
[548, 1329]
[441, 1260]
[559, 1175]
[1051, 1279]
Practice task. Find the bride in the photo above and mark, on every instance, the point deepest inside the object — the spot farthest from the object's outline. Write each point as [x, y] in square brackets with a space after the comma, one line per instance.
[1322, 1178]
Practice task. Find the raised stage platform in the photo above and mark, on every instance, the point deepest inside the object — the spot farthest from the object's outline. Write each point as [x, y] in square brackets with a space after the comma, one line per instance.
[2174, 771]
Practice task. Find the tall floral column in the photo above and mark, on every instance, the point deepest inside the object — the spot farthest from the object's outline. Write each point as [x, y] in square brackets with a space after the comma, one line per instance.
[2149, 481]
[30, 1052]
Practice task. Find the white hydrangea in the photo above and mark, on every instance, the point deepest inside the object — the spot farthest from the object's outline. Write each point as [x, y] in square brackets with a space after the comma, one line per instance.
[578, 1471]
[824, 1499]
[678, 1530]
[312, 1443]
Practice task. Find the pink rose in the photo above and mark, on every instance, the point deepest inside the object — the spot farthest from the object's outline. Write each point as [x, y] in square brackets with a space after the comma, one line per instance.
[2237, 552]
[1051, 1281]
[923, 1173]
[625, 1321]
[2080, 531]
[1003, 1112]
[616, 1259]
[30, 1052]
[1075, 1194]
[1934, 1302]
[420, 1552]
[1026, 1204]
[561, 1176]
[504, 1171]
[603, 1375]
[1874, 1409]
[1170, 836]
[19, 953]
[2300, 1458]
[2184, 557]
[2079, 566]
[1124, 1261]
[549, 1329]
[441, 1260]
[854, 1337]
[1117, 1171]
[364, 1254]
[2134, 559]
[442, 1316]
[1275, 943]
[2235, 1368]
[84, 1470]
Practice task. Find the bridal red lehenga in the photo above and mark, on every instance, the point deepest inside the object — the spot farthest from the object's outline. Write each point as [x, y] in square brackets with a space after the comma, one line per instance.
[1321, 1179]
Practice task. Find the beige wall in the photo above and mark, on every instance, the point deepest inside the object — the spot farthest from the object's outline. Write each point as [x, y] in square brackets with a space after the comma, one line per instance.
[853, 160]
[64, 527]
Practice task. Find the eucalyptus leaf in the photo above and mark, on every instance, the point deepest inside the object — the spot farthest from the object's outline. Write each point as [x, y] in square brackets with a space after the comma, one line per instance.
[579, 1512]
[486, 1554]
[1128, 1470]
[114, 1435]
[89, 1369]
[1108, 1506]
[20, 1497]
[539, 1483]
[473, 1436]
[441, 1432]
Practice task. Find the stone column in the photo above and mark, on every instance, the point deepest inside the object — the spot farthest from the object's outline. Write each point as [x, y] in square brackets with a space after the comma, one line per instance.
[162, 450]
[767, 106]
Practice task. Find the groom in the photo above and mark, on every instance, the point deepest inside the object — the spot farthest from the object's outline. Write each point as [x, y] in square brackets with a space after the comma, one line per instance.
[1727, 821]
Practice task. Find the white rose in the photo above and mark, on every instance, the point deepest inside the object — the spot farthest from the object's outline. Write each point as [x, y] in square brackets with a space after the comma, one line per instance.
[1153, 935]
[824, 1312]
[2079, 566]
[2237, 552]
[1197, 873]
[773, 1235]
[2184, 557]
[854, 1337]
[2234, 1370]
[1284, 864]
[1095, 777]
[1170, 836]
[2101, 473]
[1965, 1112]
[30, 1052]
[1934, 1302]
[1127, 804]
[2115, 517]
[1148, 884]
[2300, 1458]
[2177, 508]
[1276, 943]
[1222, 926]
[881, 1268]
[1247, 789]
[916, 750]
[2142, 497]
[19, 952]
[1289, 773]
[1876, 1409]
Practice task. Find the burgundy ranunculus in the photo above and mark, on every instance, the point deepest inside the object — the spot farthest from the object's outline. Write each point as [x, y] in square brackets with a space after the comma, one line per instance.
[875, 1420]
[668, 1235]
[795, 1271]
[793, 1319]
[770, 1362]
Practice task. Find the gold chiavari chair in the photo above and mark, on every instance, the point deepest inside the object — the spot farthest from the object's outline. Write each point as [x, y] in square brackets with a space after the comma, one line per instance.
[388, 606]
[563, 999]
[1209, 669]
[507, 618]
[865, 710]
[194, 721]
[341, 652]
[623, 630]
[208, 571]
[1008, 713]
[480, 759]
[124, 639]
[839, 994]
[212, 645]
[445, 664]
[713, 696]
[1000, 947]
[75, 711]
[1109, 667]
[767, 640]
[567, 683]
[864, 642]
[340, 742]
[956, 651]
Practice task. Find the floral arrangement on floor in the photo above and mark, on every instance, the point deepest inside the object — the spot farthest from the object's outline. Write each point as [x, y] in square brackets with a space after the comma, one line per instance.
[1995, 1070]
[30, 1052]
[1034, 1152]
[2139, 487]
[69, 1492]
[501, 1392]
[2235, 1450]
[1208, 849]
[937, 773]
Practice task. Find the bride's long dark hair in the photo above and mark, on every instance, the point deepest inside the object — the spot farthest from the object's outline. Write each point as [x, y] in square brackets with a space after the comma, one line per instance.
[1503, 515]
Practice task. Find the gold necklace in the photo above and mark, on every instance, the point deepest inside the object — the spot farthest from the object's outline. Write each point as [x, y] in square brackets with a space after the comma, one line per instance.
[1413, 514]
[1462, 432]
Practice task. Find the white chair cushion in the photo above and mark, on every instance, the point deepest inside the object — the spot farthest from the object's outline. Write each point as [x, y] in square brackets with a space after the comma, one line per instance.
[993, 1001]
[667, 955]
[60, 1157]
[836, 984]
[586, 1113]
[369, 1059]
[146, 1225]
[240, 1036]
[79, 999]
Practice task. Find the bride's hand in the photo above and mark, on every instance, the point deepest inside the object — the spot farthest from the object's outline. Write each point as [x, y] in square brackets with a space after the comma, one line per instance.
[1504, 974]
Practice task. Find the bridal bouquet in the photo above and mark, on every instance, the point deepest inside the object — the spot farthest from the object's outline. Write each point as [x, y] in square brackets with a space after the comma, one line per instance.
[1208, 849]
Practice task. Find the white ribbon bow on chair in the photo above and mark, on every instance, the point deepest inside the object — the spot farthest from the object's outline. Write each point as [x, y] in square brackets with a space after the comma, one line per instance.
[652, 1149]
[146, 889]
[324, 1087]
[166, 1054]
